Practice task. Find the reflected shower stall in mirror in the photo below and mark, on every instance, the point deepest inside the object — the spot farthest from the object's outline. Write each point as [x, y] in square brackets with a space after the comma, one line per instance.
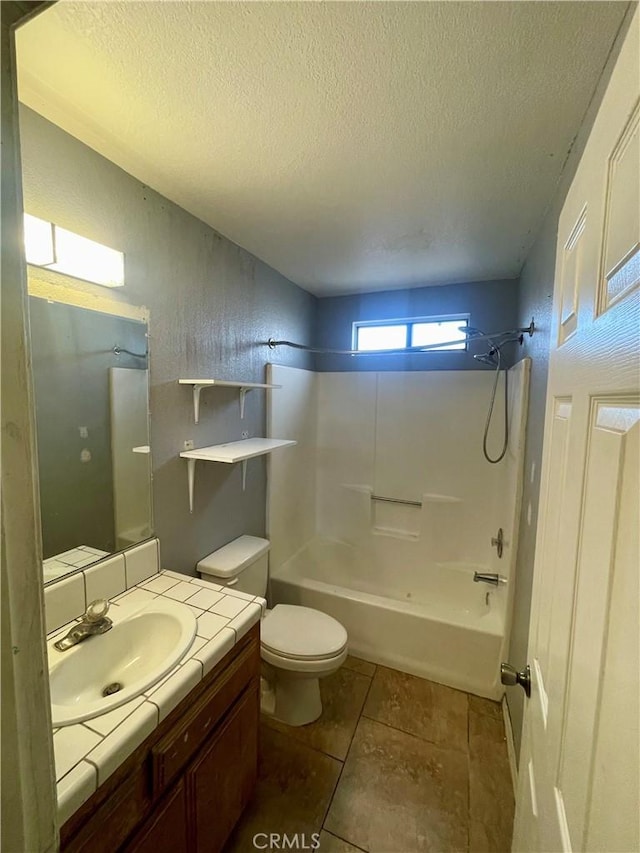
[91, 383]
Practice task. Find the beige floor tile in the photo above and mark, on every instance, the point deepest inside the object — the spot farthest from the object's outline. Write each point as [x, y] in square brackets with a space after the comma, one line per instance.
[294, 789]
[343, 695]
[491, 801]
[398, 793]
[483, 839]
[419, 707]
[485, 706]
[332, 844]
[361, 666]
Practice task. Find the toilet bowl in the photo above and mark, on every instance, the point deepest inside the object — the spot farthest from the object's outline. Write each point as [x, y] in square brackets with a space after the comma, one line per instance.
[298, 645]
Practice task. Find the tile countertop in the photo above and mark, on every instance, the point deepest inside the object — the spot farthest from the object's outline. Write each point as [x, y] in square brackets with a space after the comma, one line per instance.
[87, 753]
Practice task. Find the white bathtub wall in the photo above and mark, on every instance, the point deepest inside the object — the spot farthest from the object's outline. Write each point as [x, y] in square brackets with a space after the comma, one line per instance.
[346, 454]
[291, 505]
[413, 436]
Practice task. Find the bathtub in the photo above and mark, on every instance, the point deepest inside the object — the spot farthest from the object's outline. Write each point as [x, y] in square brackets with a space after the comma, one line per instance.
[432, 621]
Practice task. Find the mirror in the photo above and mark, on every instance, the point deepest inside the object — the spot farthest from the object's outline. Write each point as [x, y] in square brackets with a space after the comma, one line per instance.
[91, 384]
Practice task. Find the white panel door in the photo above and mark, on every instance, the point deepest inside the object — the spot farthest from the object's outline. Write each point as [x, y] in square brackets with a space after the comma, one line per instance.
[579, 768]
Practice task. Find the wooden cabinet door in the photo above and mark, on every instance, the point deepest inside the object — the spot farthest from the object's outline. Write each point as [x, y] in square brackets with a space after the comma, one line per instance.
[166, 829]
[220, 782]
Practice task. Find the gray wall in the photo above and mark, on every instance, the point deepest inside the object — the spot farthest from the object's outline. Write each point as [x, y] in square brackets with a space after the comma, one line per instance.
[536, 298]
[212, 306]
[492, 306]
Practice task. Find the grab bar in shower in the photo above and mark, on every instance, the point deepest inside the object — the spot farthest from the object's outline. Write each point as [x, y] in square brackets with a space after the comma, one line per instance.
[395, 501]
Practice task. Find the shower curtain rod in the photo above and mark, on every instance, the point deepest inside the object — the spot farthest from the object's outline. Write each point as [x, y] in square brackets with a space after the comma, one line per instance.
[406, 350]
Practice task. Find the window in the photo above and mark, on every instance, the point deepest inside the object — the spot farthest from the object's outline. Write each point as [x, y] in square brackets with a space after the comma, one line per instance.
[413, 332]
[48, 245]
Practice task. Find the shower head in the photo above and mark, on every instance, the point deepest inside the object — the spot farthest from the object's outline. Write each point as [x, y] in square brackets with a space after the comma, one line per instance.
[470, 331]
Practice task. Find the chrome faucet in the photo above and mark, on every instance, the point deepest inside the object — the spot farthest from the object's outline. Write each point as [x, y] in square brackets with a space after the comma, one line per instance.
[489, 577]
[93, 622]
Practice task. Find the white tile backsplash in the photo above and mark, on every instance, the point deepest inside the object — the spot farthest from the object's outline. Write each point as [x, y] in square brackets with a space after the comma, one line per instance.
[106, 580]
[67, 598]
[141, 562]
[64, 600]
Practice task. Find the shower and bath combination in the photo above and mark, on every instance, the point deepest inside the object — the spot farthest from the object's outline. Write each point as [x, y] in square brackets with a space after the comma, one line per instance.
[492, 358]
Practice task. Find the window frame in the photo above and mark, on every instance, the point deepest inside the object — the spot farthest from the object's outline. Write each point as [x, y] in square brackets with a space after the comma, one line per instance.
[409, 323]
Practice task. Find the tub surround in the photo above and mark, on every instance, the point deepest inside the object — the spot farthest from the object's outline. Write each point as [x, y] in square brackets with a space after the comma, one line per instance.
[87, 754]
[384, 509]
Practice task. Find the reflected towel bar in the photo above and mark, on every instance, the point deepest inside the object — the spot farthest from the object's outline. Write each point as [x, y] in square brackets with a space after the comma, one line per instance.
[395, 501]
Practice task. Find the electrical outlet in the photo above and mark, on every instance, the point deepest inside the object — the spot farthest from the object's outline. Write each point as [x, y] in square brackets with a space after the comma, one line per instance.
[188, 444]
[245, 433]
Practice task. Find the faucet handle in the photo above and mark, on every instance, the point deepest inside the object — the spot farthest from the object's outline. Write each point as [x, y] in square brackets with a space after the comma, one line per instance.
[97, 610]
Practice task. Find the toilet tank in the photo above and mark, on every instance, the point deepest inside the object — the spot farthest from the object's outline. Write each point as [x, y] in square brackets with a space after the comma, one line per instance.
[241, 564]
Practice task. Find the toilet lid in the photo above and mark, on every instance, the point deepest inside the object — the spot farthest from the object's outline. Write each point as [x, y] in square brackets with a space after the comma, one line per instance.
[301, 632]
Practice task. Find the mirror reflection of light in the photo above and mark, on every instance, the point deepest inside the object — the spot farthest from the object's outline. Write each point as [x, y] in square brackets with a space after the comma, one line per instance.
[48, 245]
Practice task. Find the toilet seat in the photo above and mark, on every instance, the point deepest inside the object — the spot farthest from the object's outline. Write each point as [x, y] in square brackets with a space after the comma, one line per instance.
[301, 635]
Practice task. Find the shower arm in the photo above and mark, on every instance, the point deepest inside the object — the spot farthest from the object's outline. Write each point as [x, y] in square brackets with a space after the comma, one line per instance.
[530, 329]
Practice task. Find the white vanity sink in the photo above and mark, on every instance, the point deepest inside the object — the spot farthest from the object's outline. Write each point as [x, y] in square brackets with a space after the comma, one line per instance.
[143, 645]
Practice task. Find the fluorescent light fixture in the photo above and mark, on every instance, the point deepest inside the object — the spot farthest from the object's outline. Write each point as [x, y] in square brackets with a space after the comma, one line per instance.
[38, 241]
[72, 254]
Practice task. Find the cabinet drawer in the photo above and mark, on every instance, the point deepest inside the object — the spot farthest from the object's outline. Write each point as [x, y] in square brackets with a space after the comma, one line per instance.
[171, 753]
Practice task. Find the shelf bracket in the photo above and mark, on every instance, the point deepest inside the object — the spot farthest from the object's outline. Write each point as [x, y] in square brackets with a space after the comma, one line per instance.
[196, 401]
[191, 474]
[244, 474]
[243, 394]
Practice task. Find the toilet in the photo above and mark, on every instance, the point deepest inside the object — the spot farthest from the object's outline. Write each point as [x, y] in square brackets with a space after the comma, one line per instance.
[298, 645]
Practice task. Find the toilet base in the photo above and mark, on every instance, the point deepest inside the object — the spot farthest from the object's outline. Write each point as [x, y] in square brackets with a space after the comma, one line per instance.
[291, 694]
[292, 700]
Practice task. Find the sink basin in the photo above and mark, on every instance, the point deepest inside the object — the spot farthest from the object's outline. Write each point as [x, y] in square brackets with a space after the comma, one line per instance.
[143, 645]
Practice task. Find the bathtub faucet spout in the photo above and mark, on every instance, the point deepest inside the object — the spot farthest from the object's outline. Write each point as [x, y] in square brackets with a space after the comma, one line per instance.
[489, 577]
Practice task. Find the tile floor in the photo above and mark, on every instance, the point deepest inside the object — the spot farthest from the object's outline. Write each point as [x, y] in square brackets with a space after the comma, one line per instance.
[396, 764]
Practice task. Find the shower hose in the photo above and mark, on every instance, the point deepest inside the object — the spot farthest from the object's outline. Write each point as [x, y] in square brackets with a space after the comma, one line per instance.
[490, 413]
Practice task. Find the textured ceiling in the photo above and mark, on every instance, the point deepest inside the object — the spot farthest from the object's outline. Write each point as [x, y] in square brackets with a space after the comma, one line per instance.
[352, 146]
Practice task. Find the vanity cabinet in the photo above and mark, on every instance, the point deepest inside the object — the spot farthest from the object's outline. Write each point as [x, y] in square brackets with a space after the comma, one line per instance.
[187, 784]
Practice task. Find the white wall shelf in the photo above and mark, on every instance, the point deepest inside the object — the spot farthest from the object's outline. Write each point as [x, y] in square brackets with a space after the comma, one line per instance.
[244, 387]
[230, 453]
